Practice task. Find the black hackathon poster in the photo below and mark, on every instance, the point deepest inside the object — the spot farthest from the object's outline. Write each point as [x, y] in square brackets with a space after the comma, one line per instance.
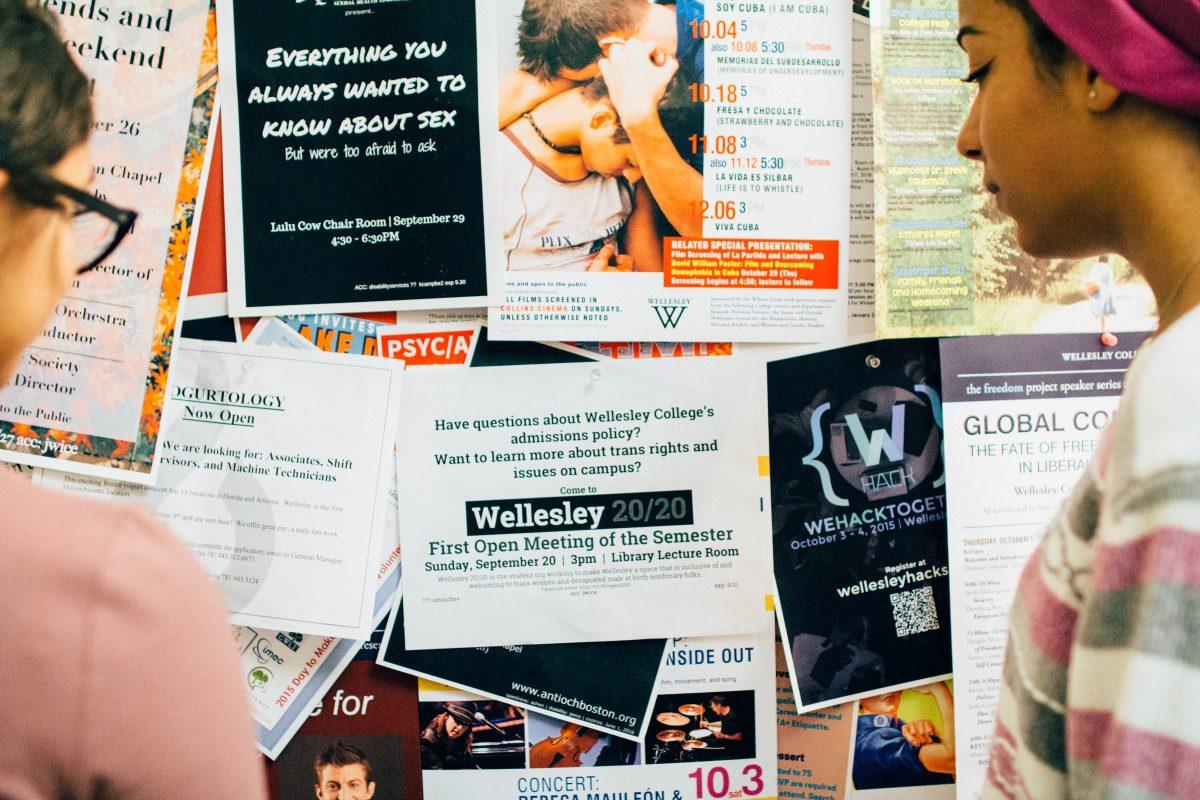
[858, 512]
[356, 178]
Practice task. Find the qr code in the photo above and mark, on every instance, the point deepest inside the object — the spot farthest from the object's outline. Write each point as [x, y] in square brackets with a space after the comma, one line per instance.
[915, 611]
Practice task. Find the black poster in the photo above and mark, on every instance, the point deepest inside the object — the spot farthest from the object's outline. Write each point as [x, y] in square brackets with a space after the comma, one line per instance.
[605, 685]
[858, 506]
[355, 179]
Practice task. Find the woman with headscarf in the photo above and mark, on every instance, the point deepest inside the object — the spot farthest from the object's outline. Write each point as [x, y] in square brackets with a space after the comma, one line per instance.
[1087, 123]
[118, 674]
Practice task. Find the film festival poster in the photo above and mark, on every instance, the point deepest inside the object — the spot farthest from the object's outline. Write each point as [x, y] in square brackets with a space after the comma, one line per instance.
[859, 517]
[358, 176]
[947, 258]
[735, 229]
[88, 394]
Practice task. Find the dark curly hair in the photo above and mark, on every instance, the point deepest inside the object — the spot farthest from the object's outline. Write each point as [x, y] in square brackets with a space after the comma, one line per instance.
[557, 34]
[45, 102]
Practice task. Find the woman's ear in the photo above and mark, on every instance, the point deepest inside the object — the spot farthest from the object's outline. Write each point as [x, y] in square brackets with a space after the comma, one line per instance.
[3, 179]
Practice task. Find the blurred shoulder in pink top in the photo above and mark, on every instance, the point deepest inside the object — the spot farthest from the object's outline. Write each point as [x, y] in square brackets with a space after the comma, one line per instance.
[118, 669]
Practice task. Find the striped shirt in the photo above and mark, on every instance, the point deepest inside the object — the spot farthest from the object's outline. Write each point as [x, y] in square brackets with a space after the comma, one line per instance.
[1101, 690]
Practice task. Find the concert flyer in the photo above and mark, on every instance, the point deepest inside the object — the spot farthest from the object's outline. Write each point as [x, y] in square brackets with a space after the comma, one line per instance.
[707, 200]
[1024, 416]
[712, 735]
[947, 258]
[605, 685]
[361, 737]
[88, 394]
[859, 514]
[580, 502]
[276, 488]
[359, 162]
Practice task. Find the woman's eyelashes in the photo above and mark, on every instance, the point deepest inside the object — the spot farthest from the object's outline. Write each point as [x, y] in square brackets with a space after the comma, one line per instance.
[978, 75]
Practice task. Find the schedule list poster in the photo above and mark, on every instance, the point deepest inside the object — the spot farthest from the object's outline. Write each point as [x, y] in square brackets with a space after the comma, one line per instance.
[355, 165]
[755, 191]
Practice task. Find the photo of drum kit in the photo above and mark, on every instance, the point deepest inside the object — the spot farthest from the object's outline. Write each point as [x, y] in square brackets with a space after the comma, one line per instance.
[682, 737]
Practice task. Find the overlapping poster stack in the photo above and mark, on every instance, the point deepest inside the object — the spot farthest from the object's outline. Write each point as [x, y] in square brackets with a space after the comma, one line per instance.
[698, 549]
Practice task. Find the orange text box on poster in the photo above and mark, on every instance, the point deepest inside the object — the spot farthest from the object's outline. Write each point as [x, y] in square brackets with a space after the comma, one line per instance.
[750, 263]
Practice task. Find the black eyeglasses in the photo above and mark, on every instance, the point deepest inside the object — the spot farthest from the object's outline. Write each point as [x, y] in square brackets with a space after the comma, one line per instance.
[99, 226]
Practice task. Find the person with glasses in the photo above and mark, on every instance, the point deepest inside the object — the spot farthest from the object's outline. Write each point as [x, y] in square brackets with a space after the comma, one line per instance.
[118, 670]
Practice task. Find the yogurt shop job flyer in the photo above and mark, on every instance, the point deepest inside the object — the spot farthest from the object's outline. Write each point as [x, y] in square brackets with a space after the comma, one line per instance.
[721, 213]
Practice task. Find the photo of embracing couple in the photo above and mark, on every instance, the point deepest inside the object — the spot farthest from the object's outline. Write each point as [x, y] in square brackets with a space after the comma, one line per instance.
[599, 130]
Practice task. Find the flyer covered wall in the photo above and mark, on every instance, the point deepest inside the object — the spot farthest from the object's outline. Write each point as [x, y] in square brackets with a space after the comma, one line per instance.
[688, 179]
[581, 502]
[87, 395]
[859, 514]
[1024, 415]
[358, 168]
[948, 259]
[712, 736]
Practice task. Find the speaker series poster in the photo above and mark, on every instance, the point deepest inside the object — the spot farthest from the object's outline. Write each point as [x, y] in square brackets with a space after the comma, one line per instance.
[88, 394]
[361, 738]
[859, 515]
[357, 173]
[1024, 416]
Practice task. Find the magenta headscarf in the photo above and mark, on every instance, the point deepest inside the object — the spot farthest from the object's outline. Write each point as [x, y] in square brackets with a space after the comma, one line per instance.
[1150, 48]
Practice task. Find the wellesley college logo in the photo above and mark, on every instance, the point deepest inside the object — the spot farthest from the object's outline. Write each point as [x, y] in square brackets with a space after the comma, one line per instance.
[669, 310]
